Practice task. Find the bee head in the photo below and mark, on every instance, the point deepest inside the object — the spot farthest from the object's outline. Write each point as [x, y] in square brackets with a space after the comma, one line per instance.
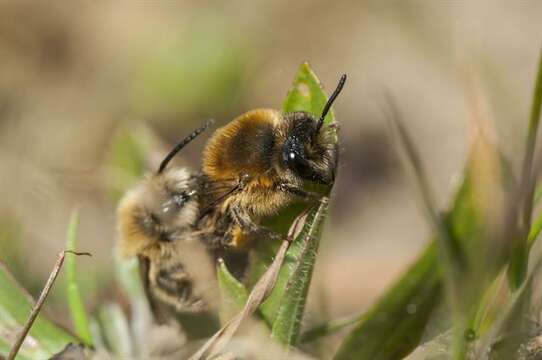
[161, 207]
[157, 210]
[310, 151]
[169, 204]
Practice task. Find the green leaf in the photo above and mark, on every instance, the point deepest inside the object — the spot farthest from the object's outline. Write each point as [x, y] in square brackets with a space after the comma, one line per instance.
[44, 339]
[287, 324]
[307, 94]
[491, 304]
[395, 324]
[536, 108]
[511, 326]
[78, 312]
[517, 269]
[535, 230]
[527, 192]
[233, 294]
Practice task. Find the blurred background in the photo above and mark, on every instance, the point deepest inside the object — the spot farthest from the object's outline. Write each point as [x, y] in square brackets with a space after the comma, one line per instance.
[94, 92]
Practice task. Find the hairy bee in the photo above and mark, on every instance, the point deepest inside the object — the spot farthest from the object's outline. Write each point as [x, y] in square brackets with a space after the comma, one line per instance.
[156, 222]
[251, 168]
[258, 163]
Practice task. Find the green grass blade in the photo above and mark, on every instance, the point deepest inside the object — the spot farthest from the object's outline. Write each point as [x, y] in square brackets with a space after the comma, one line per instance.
[511, 327]
[526, 193]
[491, 305]
[389, 331]
[395, 324]
[307, 94]
[535, 230]
[233, 294]
[287, 324]
[534, 121]
[44, 339]
[78, 312]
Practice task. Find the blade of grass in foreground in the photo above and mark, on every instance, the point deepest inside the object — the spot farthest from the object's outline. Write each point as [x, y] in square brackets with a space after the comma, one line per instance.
[511, 327]
[393, 327]
[77, 307]
[527, 191]
[287, 324]
[44, 339]
[233, 294]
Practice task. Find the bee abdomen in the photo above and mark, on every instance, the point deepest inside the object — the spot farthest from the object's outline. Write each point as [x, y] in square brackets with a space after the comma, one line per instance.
[175, 282]
[173, 286]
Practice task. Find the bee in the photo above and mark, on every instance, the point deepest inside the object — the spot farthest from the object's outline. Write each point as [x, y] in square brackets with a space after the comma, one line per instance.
[257, 164]
[156, 222]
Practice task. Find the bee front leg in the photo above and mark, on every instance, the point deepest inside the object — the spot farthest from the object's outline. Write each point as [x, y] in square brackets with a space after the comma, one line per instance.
[246, 223]
[299, 192]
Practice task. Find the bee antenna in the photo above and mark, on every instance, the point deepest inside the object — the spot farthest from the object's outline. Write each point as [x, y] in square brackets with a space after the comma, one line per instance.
[182, 144]
[332, 98]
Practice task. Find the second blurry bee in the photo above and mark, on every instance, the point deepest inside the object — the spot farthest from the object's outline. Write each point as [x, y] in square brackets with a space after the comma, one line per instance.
[156, 223]
[258, 163]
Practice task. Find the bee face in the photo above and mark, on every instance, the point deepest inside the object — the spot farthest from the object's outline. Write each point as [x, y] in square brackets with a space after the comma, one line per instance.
[159, 209]
[307, 152]
[171, 201]
[169, 204]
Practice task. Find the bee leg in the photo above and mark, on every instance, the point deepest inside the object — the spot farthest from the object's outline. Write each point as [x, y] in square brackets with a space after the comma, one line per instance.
[299, 192]
[247, 224]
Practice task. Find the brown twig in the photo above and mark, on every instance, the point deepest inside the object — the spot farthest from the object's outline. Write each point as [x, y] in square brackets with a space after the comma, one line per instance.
[41, 300]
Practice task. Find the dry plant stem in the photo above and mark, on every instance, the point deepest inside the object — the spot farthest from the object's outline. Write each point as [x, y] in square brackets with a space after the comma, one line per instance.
[259, 293]
[41, 300]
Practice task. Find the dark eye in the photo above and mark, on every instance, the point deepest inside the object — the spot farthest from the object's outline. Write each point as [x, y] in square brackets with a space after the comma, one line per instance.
[179, 199]
[298, 164]
[291, 156]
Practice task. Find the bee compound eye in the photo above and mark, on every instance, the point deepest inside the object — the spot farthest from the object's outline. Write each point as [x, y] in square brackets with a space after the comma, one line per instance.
[179, 199]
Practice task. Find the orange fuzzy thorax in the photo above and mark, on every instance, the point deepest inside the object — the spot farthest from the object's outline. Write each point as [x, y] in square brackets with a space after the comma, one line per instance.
[247, 146]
